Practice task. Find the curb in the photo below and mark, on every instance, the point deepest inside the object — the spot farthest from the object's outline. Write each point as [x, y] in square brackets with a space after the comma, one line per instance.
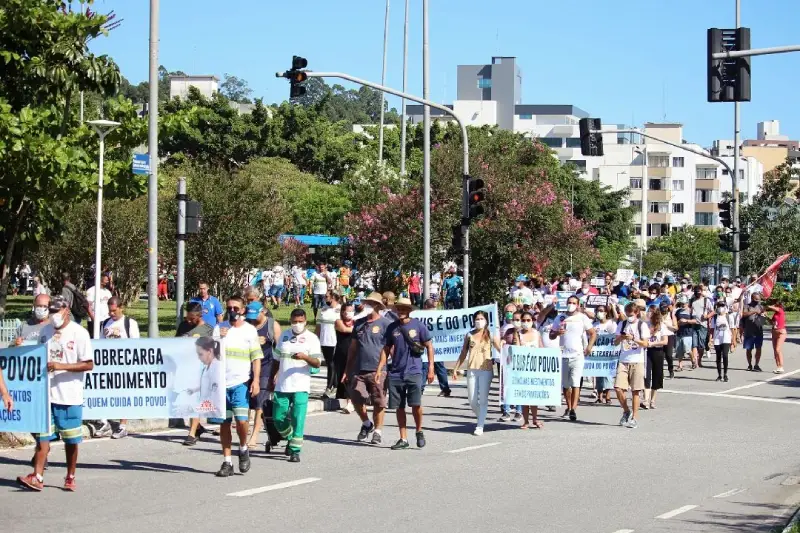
[794, 520]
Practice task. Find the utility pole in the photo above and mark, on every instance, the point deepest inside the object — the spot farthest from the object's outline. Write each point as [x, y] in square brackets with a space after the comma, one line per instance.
[383, 81]
[426, 161]
[403, 126]
[735, 187]
[152, 184]
[180, 282]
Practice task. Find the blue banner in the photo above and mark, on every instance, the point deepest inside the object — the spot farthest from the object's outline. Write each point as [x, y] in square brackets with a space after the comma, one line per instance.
[561, 300]
[141, 164]
[156, 378]
[25, 373]
[448, 328]
[531, 376]
[602, 362]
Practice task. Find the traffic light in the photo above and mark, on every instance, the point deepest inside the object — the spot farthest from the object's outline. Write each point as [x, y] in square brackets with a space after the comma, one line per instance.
[725, 213]
[476, 195]
[744, 241]
[591, 143]
[459, 239]
[296, 76]
[728, 78]
[725, 242]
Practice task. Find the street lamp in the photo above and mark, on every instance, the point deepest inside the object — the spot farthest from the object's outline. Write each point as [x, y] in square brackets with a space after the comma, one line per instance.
[102, 128]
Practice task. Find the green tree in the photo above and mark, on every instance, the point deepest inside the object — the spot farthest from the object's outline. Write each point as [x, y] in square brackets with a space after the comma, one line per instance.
[236, 89]
[685, 251]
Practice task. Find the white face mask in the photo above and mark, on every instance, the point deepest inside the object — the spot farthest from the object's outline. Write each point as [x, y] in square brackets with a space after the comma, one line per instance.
[58, 320]
[722, 311]
[601, 315]
[298, 328]
[349, 315]
[632, 319]
[480, 324]
[572, 308]
[517, 324]
[526, 326]
[368, 309]
[41, 313]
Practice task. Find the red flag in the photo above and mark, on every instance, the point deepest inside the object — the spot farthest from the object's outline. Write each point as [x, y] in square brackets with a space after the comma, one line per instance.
[769, 277]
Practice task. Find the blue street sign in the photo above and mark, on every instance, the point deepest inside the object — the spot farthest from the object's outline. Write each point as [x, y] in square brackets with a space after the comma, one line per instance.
[141, 164]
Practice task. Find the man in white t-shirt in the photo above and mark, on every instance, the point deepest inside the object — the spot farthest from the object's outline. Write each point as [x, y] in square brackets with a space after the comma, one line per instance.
[69, 357]
[577, 336]
[633, 334]
[277, 287]
[522, 294]
[297, 356]
[102, 305]
[116, 326]
[319, 288]
[300, 281]
[242, 356]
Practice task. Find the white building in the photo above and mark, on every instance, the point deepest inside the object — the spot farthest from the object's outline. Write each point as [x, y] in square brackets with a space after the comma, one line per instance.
[206, 84]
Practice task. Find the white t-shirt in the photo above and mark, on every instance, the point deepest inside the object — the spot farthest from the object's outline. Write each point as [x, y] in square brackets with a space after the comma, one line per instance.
[722, 331]
[573, 342]
[70, 344]
[544, 331]
[242, 347]
[293, 374]
[607, 327]
[522, 295]
[632, 352]
[300, 277]
[277, 277]
[102, 307]
[115, 329]
[320, 283]
[327, 326]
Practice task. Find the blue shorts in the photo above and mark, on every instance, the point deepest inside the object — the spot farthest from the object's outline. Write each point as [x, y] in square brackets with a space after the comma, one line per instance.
[237, 404]
[66, 420]
[276, 291]
[753, 342]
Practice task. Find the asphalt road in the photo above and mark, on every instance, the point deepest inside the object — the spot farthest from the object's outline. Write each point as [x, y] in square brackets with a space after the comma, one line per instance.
[719, 457]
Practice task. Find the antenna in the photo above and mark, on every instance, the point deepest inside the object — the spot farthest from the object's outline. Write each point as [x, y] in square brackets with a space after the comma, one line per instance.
[664, 99]
[497, 40]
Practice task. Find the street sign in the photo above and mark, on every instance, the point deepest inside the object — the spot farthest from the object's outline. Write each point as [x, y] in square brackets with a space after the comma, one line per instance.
[141, 164]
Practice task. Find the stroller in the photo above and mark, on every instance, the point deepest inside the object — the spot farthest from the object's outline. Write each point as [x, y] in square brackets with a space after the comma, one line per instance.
[273, 436]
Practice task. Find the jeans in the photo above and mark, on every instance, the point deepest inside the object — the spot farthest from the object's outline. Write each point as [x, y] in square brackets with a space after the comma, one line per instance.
[478, 384]
[452, 304]
[441, 375]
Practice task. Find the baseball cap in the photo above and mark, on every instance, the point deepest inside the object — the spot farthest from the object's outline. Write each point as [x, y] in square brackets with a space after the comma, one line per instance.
[57, 303]
[253, 309]
[522, 277]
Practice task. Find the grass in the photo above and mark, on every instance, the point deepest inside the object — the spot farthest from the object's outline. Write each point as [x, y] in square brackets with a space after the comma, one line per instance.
[20, 307]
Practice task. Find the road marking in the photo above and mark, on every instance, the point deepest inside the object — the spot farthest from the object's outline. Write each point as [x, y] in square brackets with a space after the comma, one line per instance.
[278, 486]
[729, 493]
[676, 512]
[624, 531]
[756, 384]
[468, 448]
[733, 396]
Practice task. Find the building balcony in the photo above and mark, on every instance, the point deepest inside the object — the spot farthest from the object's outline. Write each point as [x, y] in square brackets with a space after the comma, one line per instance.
[658, 218]
[707, 184]
[659, 172]
[660, 195]
[706, 207]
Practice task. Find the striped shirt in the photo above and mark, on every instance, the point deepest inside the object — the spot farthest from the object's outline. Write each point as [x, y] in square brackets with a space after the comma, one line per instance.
[241, 349]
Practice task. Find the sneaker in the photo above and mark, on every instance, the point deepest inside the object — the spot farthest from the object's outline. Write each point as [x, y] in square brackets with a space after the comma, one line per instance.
[778, 370]
[517, 417]
[400, 445]
[749, 368]
[244, 461]
[445, 393]
[376, 438]
[294, 458]
[120, 433]
[365, 431]
[672, 374]
[632, 423]
[420, 439]
[190, 440]
[30, 482]
[719, 378]
[572, 415]
[624, 419]
[757, 368]
[287, 452]
[478, 431]
[566, 414]
[505, 417]
[69, 483]
[725, 378]
[104, 431]
[226, 470]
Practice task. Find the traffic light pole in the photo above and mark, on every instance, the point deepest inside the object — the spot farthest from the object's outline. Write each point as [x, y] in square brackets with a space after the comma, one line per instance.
[735, 175]
[434, 105]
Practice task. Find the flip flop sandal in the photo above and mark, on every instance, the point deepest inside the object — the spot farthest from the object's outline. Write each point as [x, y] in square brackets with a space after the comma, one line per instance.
[538, 425]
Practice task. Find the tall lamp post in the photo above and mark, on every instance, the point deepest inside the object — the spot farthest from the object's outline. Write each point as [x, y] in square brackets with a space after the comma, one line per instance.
[102, 128]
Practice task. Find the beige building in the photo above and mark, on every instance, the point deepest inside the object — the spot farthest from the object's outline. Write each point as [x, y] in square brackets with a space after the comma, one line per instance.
[769, 156]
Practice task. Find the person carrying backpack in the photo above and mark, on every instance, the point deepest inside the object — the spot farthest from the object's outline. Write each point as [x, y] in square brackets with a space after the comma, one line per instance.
[77, 302]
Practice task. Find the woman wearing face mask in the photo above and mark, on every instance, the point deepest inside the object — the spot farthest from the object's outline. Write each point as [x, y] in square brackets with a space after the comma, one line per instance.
[510, 412]
[734, 316]
[604, 324]
[670, 329]
[778, 333]
[326, 332]
[526, 335]
[655, 358]
[344, 329]
[477, 351]
[722, 335]
[544, 323]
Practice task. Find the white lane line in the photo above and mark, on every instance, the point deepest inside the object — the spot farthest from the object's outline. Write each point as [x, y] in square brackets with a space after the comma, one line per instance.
[469, 448]
[734, 396]
[729, 493]
[278, 486]
[676, 512]
[624, 531]
[756, 384]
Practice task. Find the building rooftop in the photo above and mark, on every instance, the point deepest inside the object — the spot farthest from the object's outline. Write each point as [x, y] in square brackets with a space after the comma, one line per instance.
[550, 109]
[189, 77]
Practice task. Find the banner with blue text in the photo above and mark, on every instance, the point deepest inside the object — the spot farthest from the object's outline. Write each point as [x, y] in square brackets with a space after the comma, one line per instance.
[25, 374]
[531, 376]
[156, 378]
[448, 328]
[602, 362]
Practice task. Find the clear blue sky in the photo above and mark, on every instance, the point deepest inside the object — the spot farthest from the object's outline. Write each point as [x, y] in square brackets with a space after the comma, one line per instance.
[621, 60]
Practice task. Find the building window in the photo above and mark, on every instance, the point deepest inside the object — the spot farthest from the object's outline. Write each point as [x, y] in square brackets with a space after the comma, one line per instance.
[484, 83]
[705, 195]
[637, 230]
[677, 208]
[677, 162]
[659, 207]
[580, 164]
[741, 174]
[707, 173]
[525, 116]
[636, 204]
[658, 161]
[636, 183]
[573, 142]
[724, 171]
[552, 142]
[705, 219]
[677, 185]
[655, 184]
[657, 230]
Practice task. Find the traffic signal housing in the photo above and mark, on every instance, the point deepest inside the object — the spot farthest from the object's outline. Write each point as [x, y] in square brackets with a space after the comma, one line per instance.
[475, 196]
[591, 138]
[744, 241]
[459, 243]
[728, 78]
[725, 242]
[725, 216]
[297, 77]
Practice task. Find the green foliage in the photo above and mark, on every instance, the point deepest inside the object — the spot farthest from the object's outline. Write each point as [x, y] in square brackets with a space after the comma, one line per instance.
[611, 254]
[684, 251]
[236, 89]
[350, 106]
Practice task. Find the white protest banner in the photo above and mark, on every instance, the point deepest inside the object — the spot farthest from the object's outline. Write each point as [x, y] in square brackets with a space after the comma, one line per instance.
[156, 378]
[598, 282]
[602, 362]
[594, 301]
[449, 326]
[625, 275]
[531, 376]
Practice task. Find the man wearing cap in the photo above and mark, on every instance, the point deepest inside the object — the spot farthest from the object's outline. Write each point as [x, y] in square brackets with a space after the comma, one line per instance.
[409, 341]
[366, 344]
[388, 299]
[452, 289]
[69, 357]
[268, 332]
[522, 294]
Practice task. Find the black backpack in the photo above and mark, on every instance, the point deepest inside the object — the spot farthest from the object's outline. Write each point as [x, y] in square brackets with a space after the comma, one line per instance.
[80, 305]
[126, 324]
